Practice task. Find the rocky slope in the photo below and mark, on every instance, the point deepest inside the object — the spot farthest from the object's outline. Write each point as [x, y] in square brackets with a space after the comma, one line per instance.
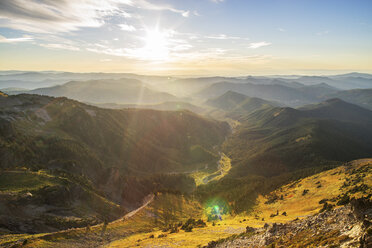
[347, 226]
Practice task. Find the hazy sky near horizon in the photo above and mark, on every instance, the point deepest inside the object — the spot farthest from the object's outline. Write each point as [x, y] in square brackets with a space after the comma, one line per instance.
[198, 37]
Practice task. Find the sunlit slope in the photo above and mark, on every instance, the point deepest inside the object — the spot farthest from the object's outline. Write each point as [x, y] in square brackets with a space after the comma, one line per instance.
[2, 94]
[308, 195]
[162, 210]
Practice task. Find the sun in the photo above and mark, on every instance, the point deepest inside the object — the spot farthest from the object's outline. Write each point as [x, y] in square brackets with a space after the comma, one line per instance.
[156, 45]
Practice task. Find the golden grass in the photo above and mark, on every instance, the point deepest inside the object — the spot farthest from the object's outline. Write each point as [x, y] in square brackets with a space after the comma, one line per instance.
[297, 205]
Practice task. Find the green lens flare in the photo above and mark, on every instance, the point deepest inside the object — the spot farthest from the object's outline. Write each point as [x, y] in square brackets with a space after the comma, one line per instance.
[216, 208]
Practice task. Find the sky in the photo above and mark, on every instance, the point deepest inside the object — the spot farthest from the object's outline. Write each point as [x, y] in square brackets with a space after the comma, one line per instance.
[187, 37]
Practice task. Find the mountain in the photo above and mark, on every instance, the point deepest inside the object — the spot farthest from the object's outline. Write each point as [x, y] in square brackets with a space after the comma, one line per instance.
[105, 91]
[74, 155]
[338, 110]
[361, 97]
[345, 82]
[272, 141]
[165, 106]
[235, 102]
[278, 93]
[187, 87]
[354, 74]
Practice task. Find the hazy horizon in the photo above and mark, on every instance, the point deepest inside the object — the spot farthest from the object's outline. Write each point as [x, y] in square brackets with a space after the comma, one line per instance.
[299, 74]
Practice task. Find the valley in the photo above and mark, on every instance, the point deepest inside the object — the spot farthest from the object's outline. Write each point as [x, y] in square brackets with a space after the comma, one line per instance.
[214, 168]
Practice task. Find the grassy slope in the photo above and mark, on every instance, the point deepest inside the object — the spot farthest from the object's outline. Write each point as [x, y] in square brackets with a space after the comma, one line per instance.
[325, 185]
[142, 222]
[23, 181]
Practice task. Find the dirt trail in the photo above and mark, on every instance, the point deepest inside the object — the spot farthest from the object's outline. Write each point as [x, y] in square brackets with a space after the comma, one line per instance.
[146, 201]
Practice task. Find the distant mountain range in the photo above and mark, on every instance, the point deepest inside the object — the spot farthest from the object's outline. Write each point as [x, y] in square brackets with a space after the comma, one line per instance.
[127, 88]
[105, 91]
[273, 92]
[164, 106]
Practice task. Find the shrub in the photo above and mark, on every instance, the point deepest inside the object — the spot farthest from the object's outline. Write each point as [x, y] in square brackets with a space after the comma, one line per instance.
[345, 199]
[305, 191]
[326, 207]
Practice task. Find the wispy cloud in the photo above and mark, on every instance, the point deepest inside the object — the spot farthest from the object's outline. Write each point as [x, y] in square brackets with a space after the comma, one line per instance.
[47, 16]
[15, 40]
[225, 37]
[256, 45]
[127, 27]
[151, 6]
[60, 46]
[281, 29]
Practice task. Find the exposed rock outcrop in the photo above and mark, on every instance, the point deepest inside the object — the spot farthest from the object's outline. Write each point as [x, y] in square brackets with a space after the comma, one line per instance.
[347, 226]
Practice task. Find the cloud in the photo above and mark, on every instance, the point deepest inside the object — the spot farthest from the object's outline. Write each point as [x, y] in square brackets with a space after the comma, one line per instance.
[144, 4]
[127, 27]
[15, 40]
[256, 45]
[225, 37]
[60, 46]
[53, 16]
[217, 1]
[186, 14]
[281, 29]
